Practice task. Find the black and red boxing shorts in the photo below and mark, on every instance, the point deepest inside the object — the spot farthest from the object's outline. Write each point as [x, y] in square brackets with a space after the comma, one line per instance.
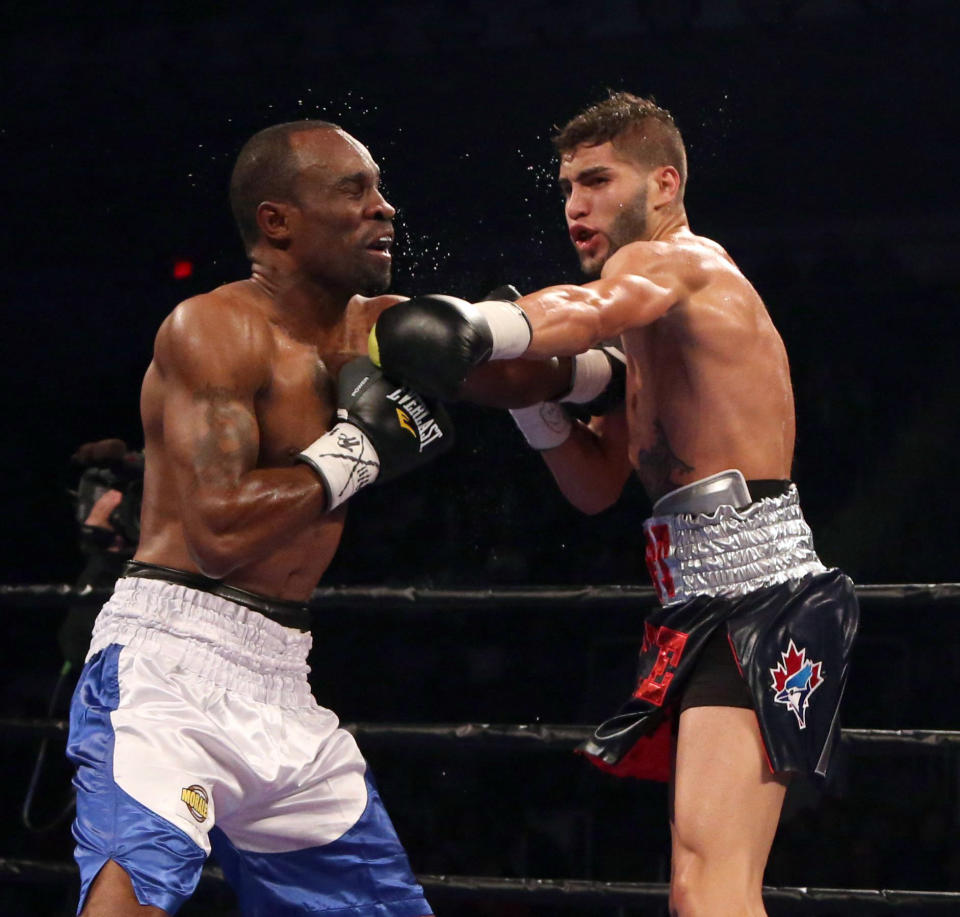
[791, 643]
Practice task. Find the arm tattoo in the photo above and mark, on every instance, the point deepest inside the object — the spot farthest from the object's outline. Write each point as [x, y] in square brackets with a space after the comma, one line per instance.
[658, 464]
[226, 439]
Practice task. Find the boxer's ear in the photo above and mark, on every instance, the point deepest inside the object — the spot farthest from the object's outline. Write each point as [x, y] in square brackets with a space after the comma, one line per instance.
[273, 220]
[664, 182]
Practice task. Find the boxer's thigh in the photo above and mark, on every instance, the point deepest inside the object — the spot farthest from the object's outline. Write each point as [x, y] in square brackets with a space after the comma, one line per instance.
[725, 800]
[143, 781]
[325, 843]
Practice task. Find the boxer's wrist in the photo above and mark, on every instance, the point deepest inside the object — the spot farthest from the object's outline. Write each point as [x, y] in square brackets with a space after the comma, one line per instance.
[345, 460]
[589, 377]
[510, 329]
[544, 426]
[598, 382]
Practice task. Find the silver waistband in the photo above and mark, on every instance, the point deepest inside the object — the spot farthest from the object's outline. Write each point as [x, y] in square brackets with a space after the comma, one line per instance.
[724, 550]
[725, 488]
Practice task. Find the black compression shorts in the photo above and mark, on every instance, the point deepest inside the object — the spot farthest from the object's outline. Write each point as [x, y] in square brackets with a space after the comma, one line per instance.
[716, 680]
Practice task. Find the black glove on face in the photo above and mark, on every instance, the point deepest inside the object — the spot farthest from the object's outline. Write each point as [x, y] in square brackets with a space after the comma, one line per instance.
[432, 342]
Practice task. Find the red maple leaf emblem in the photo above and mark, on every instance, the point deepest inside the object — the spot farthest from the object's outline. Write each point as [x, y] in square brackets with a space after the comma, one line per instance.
[794, 680]
[794, 661]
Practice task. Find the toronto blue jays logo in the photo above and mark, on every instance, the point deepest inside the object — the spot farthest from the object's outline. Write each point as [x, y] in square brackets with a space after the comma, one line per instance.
[794, 679]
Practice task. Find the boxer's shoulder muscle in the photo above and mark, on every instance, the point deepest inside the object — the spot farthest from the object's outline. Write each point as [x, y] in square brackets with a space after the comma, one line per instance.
[218, 334]
[682, 269]
[721, 304]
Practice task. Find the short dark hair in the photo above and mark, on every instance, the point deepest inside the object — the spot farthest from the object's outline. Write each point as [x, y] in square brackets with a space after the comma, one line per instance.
[266, 169]
[636, 126]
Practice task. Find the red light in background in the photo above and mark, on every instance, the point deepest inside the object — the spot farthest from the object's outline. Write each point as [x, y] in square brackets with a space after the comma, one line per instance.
[182, 268]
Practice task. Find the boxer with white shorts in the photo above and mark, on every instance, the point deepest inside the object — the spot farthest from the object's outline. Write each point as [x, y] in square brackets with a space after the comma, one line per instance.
[193, 727]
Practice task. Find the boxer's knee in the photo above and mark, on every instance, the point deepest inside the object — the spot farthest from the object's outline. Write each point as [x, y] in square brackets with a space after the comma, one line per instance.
[707, 886]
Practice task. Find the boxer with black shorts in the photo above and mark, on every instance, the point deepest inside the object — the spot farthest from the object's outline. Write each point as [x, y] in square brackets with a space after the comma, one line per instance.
[742, 670]
[193, 727]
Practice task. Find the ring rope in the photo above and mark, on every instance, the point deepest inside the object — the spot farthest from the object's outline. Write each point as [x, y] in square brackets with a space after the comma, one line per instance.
[574, 893]
[517, 736]
[569, 892]
[858, 901]
[507, 598]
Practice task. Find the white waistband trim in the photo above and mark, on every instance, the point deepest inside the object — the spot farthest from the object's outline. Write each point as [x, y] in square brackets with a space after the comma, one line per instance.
[730, 552]
[218, 640]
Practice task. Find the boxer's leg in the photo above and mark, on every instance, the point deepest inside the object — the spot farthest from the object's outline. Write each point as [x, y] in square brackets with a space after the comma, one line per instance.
[725, 806]
[318, 838]
[130, 846]
[112, 895]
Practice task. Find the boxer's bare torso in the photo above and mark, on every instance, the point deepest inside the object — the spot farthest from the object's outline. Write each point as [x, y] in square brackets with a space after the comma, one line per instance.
[236, 386]
[708, 383]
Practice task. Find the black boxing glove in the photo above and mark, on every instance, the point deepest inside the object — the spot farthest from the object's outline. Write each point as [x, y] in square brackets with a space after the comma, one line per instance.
[507, 291]
[432, 342]
[383, 430]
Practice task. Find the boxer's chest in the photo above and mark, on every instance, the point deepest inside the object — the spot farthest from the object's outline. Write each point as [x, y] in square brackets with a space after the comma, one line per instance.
[297, 407]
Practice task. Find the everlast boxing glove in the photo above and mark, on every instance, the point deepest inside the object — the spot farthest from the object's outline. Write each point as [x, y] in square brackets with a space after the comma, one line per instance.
[383, 430]
[432, 342]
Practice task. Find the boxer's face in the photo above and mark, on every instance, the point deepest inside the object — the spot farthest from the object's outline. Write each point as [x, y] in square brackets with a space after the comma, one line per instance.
[341, 225]
[605, 202]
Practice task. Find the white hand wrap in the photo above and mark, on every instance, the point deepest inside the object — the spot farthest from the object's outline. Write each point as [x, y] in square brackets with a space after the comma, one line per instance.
[591, 374]
[345, 460]
[544, 426]
[509, 328]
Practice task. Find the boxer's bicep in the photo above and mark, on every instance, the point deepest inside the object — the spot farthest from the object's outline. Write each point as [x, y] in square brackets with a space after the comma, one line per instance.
[628, 301]
[211, 434]
[568, 319]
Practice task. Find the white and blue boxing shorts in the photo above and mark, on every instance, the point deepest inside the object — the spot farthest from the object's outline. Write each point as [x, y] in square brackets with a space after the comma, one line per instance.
[193, 728]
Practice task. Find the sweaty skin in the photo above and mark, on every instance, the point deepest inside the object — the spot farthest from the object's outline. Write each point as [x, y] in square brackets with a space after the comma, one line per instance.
[708, 382]
[243, 378]
[232, 395]
[708, 388]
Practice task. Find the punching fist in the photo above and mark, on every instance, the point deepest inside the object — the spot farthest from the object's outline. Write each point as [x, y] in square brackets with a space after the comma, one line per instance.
[383, 430]
[432, 342]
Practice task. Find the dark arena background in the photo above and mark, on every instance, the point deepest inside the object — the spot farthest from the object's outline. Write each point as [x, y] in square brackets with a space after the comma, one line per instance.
[822, 139]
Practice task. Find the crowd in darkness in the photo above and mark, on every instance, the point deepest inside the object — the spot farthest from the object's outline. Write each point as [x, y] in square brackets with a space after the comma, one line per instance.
[789, 172]
[792, 170]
